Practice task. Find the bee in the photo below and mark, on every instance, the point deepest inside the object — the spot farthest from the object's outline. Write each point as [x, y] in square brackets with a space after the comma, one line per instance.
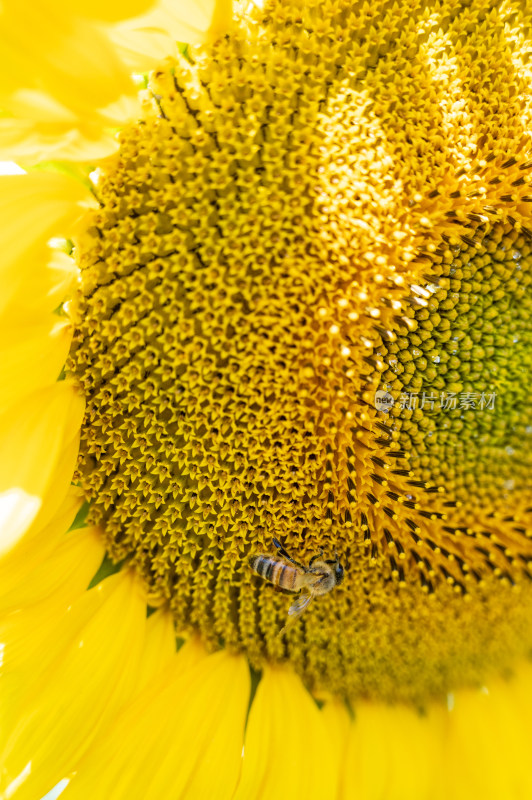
[319, 577]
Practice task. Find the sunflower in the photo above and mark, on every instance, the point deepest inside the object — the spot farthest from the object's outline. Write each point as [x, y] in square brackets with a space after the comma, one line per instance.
[266, 303]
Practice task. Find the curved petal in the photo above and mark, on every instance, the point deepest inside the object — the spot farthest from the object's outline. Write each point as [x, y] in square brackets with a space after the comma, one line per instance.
[94, 9]
[82, 549]
[487, 744]
[61, 114]
[102, 9]
[62, 71]
[30, 141]
[67, 57]
[33, 436]
[34, 207]
[288, 749]
[393, 752]
[36, 546]
[93, 672]
[148, 36]
[159, 649]
[476, 749]
[181, 738]
[52, 282]
[34, 612]
[58, 489]
[31, 356]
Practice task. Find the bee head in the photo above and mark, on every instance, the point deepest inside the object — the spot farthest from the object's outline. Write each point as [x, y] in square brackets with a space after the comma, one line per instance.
[338, 569]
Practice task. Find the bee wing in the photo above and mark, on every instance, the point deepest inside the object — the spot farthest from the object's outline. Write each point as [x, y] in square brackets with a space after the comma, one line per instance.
[300, 605]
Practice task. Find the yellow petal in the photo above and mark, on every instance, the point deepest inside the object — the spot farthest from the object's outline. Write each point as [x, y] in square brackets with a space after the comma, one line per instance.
[210, 725]
[288, 748]
[393, 752]
[33, 436]
[31, 356]
[26, 634]
[61, 74]
[47, 577]
[181, 738]
[102, 9]
[93, 9]
[67, 706]
[60, 485]
[67, 57]
[67, 80]
[337, 723]
[52, 282]
[160, 647]
[30, 141]
[39, 541]
[154, 34]
[33, 208]
[488, 741]
[220, 14]
[140, 42]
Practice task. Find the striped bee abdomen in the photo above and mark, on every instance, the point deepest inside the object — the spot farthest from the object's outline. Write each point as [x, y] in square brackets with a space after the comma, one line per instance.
[277, 572]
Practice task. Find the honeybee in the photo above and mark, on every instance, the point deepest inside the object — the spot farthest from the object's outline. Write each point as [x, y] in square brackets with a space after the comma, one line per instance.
[319, 577]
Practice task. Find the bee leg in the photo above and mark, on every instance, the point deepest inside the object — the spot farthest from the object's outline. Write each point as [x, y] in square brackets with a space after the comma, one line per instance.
[314, 558]
[287, 592]
[284, 554]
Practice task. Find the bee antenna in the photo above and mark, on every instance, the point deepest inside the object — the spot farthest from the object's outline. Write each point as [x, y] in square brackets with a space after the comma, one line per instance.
[277, 543]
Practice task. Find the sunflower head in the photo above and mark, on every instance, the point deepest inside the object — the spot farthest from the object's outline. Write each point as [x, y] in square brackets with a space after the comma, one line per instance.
[297, 334]
[308, 217]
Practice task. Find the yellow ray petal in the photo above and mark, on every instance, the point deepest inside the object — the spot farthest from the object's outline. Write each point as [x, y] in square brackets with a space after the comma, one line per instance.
[33, 208]
[338, 724]
[93, 9]
[33, 436]
[26, 634]
[160, 647]
[211, 725]
[219, 14]
[52, 283]
[58, 489]
[94, 671]
[61, 75]
[39, 541]
[488, 741]
[181, 738]
[393, 752]
[63, 612]
[47, 577]
[30, 141]
[68, 58]
[31, 356]
[288, 748]
[48, 131]
[155, 33]
[140, 43]
[102, 9]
